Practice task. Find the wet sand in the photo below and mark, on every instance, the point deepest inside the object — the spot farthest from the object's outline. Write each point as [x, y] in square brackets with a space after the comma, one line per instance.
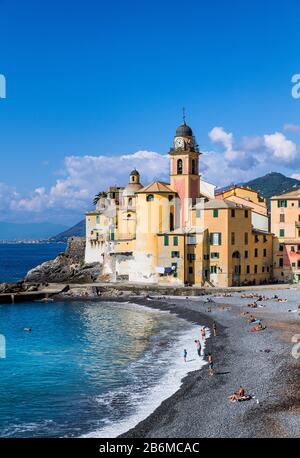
[200, 408]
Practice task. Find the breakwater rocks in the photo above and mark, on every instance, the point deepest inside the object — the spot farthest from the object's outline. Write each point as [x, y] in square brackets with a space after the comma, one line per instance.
[68, 267]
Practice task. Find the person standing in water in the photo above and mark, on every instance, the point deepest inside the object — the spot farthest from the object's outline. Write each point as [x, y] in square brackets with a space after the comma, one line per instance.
[184, 355]
[202, 333]
[210, 364]
[198, 346]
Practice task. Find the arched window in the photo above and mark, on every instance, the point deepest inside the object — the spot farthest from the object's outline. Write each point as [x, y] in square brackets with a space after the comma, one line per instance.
[236, 255]
[150, 198]
[193, 167]
[130, 201]
[179, 167]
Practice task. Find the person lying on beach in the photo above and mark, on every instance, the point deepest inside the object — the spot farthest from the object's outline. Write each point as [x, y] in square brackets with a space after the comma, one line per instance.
[258, 328]
[237, 394]
[250, 318]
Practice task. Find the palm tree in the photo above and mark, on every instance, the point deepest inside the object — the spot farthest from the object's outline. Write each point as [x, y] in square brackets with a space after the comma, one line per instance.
[98, 197]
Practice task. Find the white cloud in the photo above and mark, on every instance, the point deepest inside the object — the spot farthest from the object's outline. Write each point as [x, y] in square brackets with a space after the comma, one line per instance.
[81, 177]
[292, 128]
[281, 147]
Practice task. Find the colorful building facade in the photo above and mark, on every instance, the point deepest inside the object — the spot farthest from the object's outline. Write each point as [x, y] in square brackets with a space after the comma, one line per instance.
[180, 232]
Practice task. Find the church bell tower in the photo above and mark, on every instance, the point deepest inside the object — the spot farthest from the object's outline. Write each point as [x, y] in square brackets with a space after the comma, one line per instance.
[184, 167]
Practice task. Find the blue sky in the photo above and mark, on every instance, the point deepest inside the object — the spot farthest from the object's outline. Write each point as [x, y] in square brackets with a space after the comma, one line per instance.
[95, 79]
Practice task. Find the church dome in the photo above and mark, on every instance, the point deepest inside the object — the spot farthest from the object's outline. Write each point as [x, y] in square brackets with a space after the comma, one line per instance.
[184, 131]
[135, 173]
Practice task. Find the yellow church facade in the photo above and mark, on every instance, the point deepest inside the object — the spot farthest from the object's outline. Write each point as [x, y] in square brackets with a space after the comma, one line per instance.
[180, 233]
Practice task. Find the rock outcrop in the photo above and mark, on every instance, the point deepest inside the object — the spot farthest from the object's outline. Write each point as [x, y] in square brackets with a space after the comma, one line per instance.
[68, 267]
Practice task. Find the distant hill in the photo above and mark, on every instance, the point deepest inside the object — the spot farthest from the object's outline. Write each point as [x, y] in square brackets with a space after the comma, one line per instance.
[273, 184]
[28, 231]
[75, 231]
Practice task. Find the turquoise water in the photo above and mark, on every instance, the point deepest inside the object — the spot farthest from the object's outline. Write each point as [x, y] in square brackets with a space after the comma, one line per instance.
[16, 259]
[84, 365]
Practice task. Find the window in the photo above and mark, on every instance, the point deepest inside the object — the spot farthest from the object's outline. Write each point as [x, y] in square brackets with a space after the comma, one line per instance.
[282, 217]
[216, 213]
[171, 217]
[232, 213]
[191, 270]
[265, 253]
[130, 201]
[213, 269]
[281, 247]
[175, 240]
[232, 238]
[281, 262]
[193, 167]
[263, 269]
[129, 215]
[256, 239]
[206, 257]
[246, 213]
[248, 269]
[293, 249]
[246, 238]
[246, 254]
[150, 198]
[293, 264]
[265, 239]
[298, 264]
[215, 238]
[255, 269]
[179, 167]
[214, 255]
[198, 213]
[255, 252]
[166, 240]
[112, 236]
[175, 254]
[237, 270]
[281, 233]
[281, 203]
[98, 219]
[191, 257]
[299, 203]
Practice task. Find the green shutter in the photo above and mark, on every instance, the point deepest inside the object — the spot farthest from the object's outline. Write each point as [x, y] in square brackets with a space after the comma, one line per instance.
[175, 241]
[285, 203]
[166, 240]
[216, 213]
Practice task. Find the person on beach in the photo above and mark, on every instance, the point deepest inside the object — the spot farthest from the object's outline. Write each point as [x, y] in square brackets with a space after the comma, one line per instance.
[198, 346]
[214, 326]
[239, 394]
[184, 355]
[210, 364]
[202, 333]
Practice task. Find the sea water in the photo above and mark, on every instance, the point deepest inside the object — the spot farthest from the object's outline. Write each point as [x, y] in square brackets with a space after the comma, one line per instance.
[16, 259]
[88, 368]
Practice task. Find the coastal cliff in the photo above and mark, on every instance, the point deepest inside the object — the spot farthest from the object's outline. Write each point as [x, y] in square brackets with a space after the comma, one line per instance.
[66, 267]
